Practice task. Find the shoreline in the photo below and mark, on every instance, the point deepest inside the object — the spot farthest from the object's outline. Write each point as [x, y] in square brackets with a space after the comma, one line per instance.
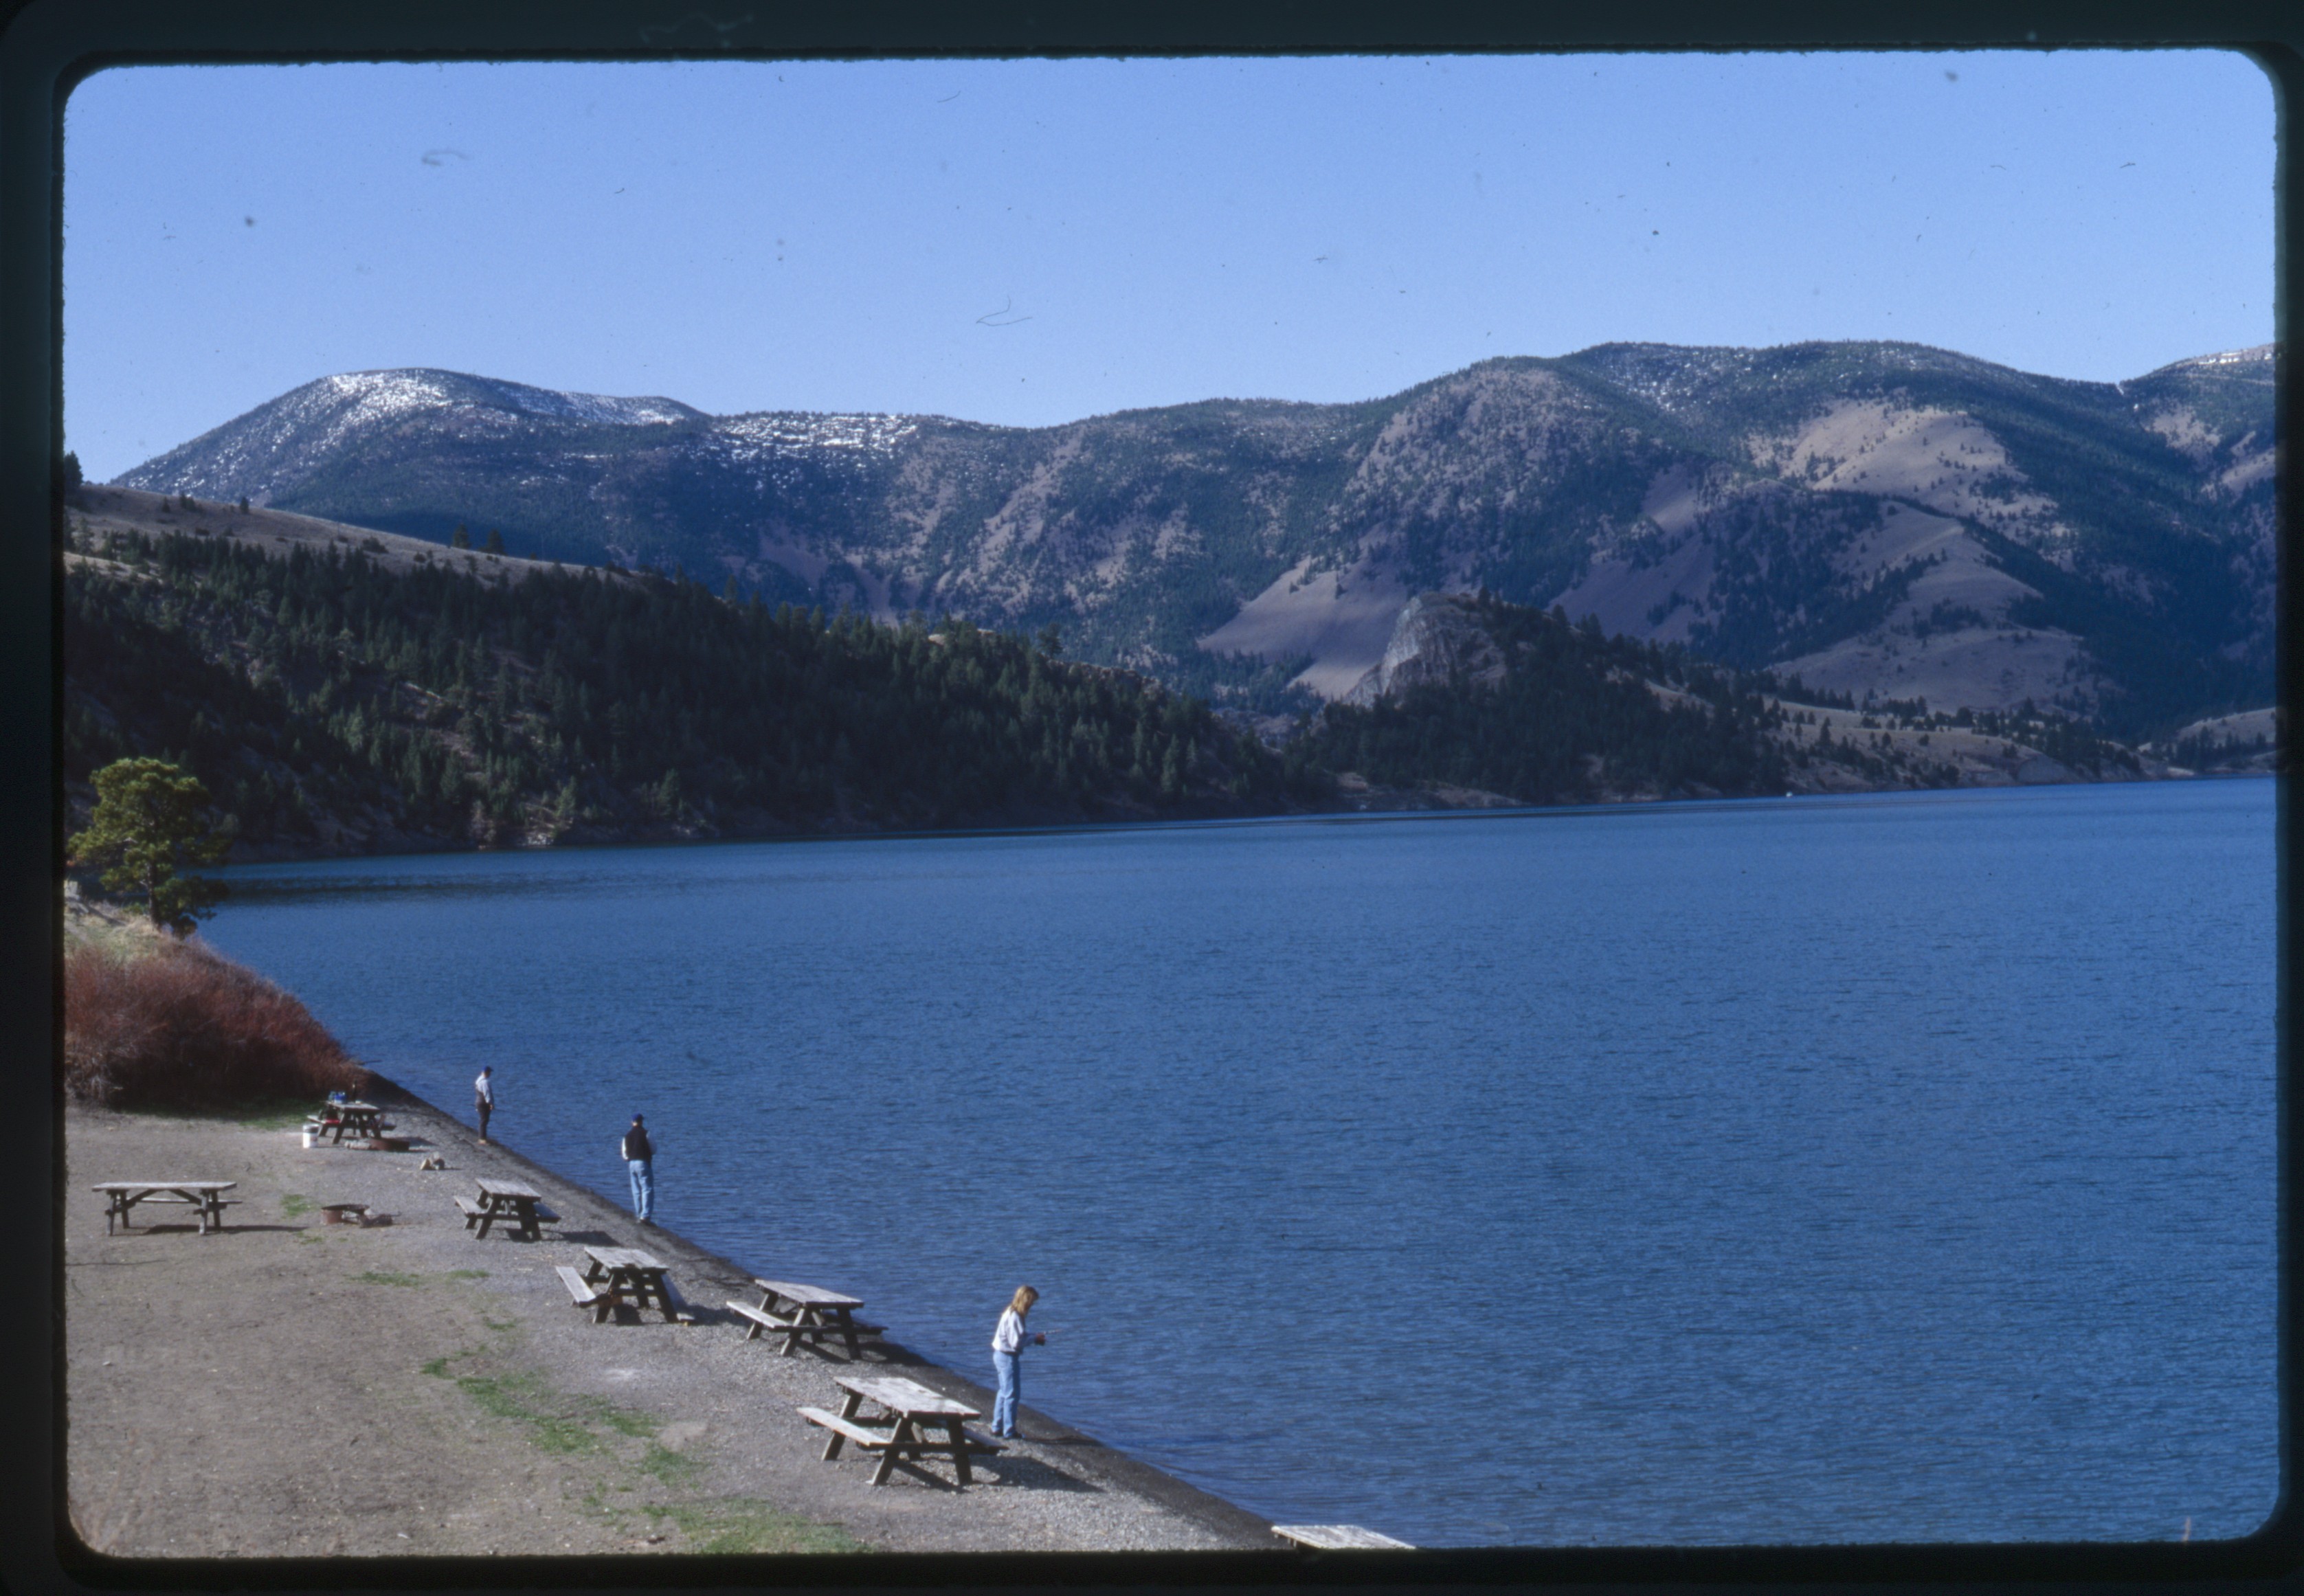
[1362, 815]
[1118, 1467]
[287, 1388]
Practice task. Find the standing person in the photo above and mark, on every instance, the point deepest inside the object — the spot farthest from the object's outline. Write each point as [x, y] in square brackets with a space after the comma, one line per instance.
[484, 1100]
[1008, 1342]
[640, 1159]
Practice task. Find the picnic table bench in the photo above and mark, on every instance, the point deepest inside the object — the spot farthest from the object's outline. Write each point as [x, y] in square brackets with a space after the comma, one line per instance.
[516, 1207]
[1338, 1537]
[797, 1312]
[206, 1197]
[359, 1119]
[580, 1291]
[622, 1275]
[897, 1431]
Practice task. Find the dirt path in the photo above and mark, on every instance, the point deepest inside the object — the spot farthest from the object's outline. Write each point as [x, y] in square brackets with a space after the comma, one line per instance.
[287, 1387]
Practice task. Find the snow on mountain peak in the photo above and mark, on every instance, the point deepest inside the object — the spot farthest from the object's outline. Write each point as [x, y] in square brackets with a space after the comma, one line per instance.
[379, 395]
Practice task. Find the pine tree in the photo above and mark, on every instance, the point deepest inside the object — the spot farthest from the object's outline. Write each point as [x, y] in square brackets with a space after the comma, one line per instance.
[149, 822]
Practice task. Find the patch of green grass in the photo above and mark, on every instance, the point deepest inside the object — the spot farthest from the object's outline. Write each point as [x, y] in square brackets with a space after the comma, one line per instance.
[294, 1205]
[310, 1236]
[559, 1421]
[269, 1113]
[280, 1114]
[668, 1466]
[380, 1277]
[738, 1524]
[522, 1399]
[560, 1435]
[467, 1274]
[499, 1326]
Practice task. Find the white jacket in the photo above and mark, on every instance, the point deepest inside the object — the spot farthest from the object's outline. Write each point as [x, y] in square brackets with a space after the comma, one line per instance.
[1011, 1335]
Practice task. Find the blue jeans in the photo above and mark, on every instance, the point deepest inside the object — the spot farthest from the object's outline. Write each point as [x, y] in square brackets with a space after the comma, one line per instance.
[1010, 1371]
[643, 1187]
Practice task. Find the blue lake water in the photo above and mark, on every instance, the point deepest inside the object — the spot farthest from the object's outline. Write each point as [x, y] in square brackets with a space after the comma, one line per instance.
[1886, 1167]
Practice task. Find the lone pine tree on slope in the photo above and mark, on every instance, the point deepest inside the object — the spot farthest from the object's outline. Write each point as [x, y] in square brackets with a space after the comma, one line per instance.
[150, 822]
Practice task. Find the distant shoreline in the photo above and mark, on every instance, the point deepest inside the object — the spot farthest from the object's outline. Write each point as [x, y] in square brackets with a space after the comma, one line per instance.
[1500, 811]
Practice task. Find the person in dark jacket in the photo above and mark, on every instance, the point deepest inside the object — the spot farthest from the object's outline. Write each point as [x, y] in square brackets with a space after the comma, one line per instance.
[640, 1159]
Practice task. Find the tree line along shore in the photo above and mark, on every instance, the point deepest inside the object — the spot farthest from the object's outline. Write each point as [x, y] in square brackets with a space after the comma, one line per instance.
[332, 699]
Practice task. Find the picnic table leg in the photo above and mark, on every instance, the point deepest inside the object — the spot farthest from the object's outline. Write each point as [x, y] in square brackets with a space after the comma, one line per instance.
[791, 1334]
[848, 1408]
[487, 1216]
[904, 1433]
[959, 1447]
[847, 1331]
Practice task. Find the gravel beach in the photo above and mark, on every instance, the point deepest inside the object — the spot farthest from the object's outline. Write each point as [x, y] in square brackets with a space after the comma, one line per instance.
[288, 1386]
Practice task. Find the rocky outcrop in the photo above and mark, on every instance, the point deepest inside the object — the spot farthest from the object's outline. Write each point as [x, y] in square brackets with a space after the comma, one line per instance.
[1437, 639]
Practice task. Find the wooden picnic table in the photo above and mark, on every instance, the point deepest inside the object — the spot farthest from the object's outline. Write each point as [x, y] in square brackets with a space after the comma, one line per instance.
[206, 1197]
[625, 1274]
[361, 1120]
[898, 1431]
[509, 1204]
[1337, 1537]
[810, 1312]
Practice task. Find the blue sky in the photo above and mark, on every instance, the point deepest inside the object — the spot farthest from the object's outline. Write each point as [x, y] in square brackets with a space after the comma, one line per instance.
[1028, 242]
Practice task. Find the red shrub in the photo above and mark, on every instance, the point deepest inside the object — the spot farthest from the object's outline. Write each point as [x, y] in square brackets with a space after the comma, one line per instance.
[183, 1028]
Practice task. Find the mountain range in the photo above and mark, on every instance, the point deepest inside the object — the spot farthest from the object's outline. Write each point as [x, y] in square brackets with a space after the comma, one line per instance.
[1881, 518]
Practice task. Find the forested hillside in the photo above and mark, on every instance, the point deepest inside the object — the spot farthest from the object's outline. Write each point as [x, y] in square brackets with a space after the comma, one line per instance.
[337, 697]
[330, 704]
[1570, 715]
[1477, 694]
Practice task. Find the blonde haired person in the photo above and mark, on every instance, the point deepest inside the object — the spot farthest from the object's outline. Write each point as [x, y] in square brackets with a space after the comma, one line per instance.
[1008, 1342]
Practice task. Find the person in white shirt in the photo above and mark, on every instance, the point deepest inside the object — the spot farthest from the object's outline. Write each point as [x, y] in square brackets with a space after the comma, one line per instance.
[484, 1100]
[1008, 1343]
